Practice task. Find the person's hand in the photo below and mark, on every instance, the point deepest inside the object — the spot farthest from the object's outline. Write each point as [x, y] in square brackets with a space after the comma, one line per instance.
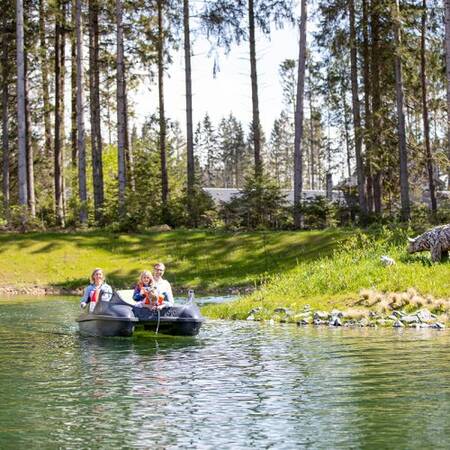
[83, 305]
[162, 306]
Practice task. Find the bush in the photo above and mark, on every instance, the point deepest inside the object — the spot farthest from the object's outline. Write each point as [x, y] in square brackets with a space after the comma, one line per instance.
[261, 205]
[319, 213]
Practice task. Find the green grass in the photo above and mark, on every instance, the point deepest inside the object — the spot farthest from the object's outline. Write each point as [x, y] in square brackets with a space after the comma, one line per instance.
[204, 260]
[335, 281]
[325, 269]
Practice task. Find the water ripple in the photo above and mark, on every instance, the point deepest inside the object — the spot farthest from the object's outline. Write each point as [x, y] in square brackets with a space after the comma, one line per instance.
[237, 385]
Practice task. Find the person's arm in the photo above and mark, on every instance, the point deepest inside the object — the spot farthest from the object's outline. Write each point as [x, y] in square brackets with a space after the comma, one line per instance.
[137, 296]
[168, 293]
[86, 297]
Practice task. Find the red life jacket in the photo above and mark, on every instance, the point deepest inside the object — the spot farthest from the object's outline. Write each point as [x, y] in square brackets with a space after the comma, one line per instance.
[94, 295]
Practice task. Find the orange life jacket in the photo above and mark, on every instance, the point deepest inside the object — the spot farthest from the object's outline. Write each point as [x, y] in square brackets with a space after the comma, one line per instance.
[151, 298]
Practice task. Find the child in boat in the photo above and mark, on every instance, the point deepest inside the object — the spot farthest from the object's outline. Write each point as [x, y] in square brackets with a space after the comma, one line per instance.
[145, 291]
[97, 290]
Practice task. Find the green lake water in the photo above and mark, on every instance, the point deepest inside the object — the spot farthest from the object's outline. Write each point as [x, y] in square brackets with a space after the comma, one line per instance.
[236, 385]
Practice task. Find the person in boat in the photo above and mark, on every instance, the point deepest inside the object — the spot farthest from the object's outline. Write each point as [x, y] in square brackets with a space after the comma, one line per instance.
[162, 286]
[97, 290]
[145, 290]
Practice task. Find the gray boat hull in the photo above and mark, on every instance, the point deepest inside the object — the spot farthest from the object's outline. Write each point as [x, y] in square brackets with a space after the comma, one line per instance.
[107, 319]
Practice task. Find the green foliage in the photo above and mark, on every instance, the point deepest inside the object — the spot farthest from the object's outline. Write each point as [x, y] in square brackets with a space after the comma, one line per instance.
[201, 205]
[319, 213]
[261, 205]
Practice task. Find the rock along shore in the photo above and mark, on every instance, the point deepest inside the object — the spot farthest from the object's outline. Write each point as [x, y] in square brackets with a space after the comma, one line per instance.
[37, 291]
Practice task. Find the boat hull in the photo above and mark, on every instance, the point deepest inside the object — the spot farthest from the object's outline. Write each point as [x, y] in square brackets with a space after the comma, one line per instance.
[107, 319]
[105, 326]
[182, 320]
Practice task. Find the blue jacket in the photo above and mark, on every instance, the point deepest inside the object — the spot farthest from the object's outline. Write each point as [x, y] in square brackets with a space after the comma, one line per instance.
[105, 292]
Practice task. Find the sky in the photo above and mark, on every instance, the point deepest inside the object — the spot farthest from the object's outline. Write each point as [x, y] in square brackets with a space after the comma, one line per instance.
[229, 91]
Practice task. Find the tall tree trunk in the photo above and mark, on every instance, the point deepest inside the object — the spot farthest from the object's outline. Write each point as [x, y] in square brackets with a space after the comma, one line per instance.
[189, 126]
[367, 110]
[298, 150]
[447, 70]
[21, 119]
[80, 118]
[346, 131]
[5, 67]
[162, 117]
[73, 91]
[45, 83]
[94, 103]
[256, 124]
[311, 137]
[62, 96]
[29, 149]
[129, 165]
[376, 105]
[426, 121]
[356, 112]
[121, 120]
[403, 153]
[58, 156]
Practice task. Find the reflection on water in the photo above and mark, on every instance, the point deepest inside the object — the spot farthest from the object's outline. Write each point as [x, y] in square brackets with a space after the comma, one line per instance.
[236, 385]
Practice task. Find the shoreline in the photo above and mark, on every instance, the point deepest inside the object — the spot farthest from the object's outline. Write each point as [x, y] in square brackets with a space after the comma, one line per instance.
[42, 291]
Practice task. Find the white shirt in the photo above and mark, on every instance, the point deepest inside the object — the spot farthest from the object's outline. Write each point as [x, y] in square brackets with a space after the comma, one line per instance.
[163, 287]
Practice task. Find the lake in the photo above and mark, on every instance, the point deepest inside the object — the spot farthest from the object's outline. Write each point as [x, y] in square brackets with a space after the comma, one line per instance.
[236, 385]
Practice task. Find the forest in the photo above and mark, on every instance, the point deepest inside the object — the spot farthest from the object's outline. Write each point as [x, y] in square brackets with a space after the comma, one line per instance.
[367, 101]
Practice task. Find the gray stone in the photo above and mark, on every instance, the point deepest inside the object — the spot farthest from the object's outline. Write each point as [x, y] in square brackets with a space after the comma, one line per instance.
[318, 322]
[256, 310]
[321, 315]
[398, 324]
[305, 319]
[337, 313]
[364, 322]
[410, 319]
[303, 322]
[251, 317]
[438, 326]
[424, 315]
[387, 260]
[398, 313]
[335, 322]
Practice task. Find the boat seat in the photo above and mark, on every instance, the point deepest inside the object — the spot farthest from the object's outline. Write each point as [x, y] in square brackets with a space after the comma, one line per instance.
[126, 295]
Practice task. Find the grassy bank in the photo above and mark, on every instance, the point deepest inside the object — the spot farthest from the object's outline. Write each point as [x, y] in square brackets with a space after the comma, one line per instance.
[342, 279]
[204, 260]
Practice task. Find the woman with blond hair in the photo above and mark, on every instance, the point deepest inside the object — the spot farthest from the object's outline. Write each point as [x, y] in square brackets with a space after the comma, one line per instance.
[97, 290]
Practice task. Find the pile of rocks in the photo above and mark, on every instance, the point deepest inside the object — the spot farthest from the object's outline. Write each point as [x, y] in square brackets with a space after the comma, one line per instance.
[422, 318]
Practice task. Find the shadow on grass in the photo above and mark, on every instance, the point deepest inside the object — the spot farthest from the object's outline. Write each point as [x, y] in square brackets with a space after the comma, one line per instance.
[207, 259]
